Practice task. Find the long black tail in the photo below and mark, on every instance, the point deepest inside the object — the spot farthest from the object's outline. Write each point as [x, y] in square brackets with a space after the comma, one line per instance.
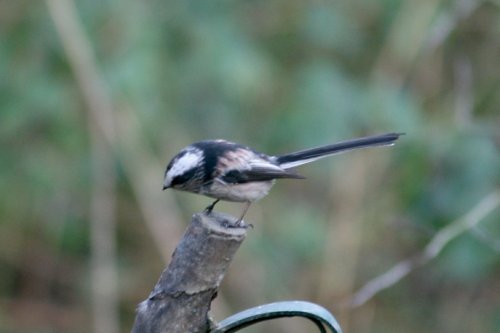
[305, 156]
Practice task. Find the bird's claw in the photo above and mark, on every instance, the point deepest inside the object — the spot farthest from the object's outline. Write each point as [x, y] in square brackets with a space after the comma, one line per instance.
[241, 224]
[238, 224]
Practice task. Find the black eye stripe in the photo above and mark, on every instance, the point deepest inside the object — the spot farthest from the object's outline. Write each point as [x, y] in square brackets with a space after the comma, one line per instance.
[186, 176]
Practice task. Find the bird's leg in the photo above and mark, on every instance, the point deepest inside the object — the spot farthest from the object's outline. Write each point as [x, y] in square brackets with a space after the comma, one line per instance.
[240, 223]
[209, 209]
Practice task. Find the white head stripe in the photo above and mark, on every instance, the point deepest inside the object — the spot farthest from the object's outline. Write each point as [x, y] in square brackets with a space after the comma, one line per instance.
[186, 162]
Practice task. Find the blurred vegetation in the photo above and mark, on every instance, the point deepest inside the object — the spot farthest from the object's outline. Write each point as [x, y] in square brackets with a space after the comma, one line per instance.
[278, 76]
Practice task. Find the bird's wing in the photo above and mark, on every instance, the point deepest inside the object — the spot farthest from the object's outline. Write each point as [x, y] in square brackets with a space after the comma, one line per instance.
[258, 171]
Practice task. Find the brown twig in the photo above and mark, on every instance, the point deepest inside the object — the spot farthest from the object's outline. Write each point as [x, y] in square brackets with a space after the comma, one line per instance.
[102, 135]
[431, 251]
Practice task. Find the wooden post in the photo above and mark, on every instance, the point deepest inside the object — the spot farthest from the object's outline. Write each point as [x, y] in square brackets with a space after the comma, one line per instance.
[180, 301]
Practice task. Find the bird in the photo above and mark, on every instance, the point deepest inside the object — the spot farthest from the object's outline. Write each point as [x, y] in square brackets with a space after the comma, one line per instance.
[229, 171]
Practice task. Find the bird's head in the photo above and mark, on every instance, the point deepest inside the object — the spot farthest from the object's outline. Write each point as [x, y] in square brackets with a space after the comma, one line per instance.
[185, 170]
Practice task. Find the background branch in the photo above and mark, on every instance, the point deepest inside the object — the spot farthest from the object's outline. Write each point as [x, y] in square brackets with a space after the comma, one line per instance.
[432, 250]
[105, 297]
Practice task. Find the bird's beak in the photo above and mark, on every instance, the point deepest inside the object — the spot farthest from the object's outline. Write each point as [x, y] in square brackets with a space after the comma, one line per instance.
[165, 187]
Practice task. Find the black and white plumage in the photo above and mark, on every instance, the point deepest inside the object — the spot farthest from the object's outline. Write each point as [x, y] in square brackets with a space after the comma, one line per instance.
[232, 172]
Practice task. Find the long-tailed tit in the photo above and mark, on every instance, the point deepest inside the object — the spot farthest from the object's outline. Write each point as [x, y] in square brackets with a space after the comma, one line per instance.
[232, 172]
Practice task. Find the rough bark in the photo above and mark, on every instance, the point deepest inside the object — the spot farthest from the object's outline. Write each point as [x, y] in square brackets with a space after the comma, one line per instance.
[180, 301]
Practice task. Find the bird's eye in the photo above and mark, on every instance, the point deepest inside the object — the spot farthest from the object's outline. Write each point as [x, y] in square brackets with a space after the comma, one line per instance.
[185, 177]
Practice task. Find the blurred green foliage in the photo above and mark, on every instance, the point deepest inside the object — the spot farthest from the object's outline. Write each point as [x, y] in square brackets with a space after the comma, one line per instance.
[278, 76]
